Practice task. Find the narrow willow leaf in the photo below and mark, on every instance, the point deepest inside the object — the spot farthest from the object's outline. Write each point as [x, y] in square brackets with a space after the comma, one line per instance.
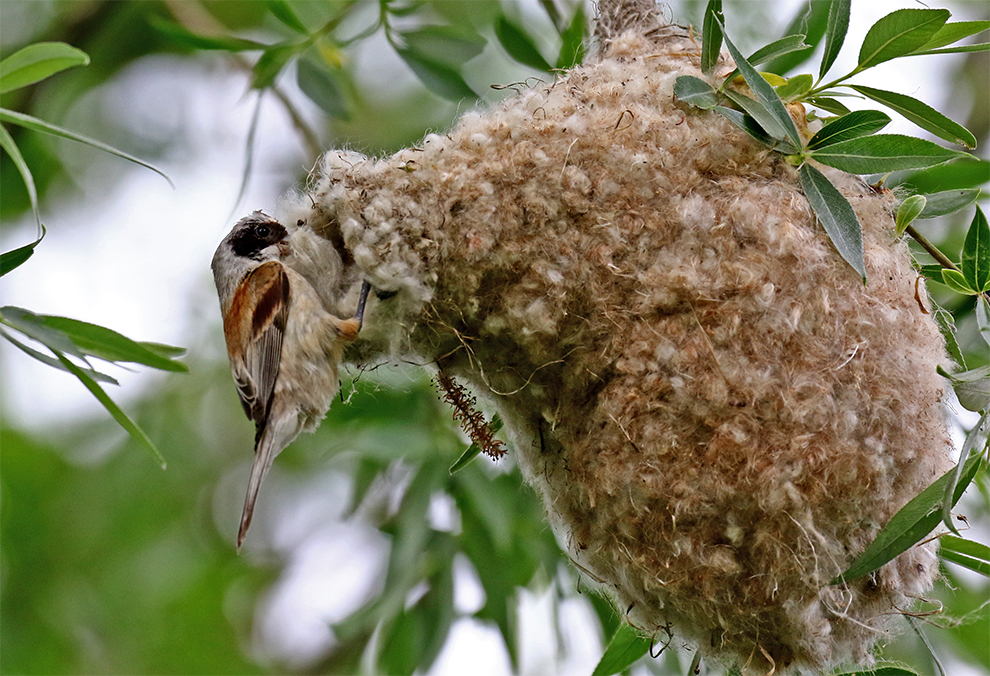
[448, 44]
[810, 20]
[183, 36]
[747, 124]
[55, 363]
[955, 281]
[795, 87]
[695, 91]
[36, 62]
[884, 152]
[829, 104]
[972, 388]
[983, 318]
[899, 33]
[439, 78]
[572, 39]
[910, 525]
[35, 124]
[908, 211]
[853, 125]
[26, 322]
[711, 35]
[132, 428]
[281, 10]
[776, 49]
[882, 669]
[957, 480]
[944, 319]
[519, 45]
[8, 144]
[465, 459]
[624, 650]
[976, 253]
[954, 32]
[107, 344]
[835, 33]
[756, 110]
[271, 63]
[962, 49]
[765, 95]
[16, 257]
[948, 202]
[966, 553]
[922, 115]
[966, 173]
[836, 216]
[319, 85]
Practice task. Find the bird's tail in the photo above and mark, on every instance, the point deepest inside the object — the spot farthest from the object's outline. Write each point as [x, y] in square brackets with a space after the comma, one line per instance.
[273, 438]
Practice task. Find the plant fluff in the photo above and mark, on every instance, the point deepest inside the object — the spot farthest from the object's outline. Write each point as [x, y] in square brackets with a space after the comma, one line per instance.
[717, 412]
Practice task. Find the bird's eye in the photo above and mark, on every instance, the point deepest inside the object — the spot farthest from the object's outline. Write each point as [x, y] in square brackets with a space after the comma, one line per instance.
[263, 231]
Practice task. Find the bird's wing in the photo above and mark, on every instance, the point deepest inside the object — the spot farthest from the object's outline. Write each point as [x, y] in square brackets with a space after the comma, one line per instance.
[262, 305]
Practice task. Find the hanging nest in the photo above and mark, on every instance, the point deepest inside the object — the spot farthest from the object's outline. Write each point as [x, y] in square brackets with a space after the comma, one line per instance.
[718, 413]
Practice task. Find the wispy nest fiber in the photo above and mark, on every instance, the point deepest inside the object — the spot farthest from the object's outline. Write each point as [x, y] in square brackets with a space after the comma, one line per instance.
[718, 414]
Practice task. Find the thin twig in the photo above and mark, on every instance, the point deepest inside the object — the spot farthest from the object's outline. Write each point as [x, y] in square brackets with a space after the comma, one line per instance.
[934, 252]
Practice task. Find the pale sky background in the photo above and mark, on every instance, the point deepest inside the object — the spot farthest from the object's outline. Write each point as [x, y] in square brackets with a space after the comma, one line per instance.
[139, 264]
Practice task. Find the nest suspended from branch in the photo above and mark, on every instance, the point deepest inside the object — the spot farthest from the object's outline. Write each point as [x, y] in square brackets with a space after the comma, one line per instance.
[717, 412]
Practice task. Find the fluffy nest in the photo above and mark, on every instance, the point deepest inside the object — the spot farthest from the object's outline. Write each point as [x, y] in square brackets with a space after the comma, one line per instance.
[717, 412]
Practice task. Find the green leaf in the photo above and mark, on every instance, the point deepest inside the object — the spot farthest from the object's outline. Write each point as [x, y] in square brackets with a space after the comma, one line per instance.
[35, 124]
[922, 115]
[183, 36]
[910, 525]
[948, 202]
[572, 40]
[467, 456]
[16, 257]
[447, 44]
[695, 91]
[983, 318]
[835, 33]
[281, 10]
[829, 104]
[795, 88]
[96, 341]
[853, 125]
[774, 50]
[37, 62]
[519, 45]
[956, 475]
[755, 110]
[8, 144]
[972, 387]
[908, 211]
[273, 60]
[955, 281]
[711, 35]
[962, 49]
[129, 425]
[967, 173]
[972, 555]
[953, 32]
[976, 253]
[811, 21]
[836, 216]
[766, 96]
[55, 363]
[882, 669]
[884, 152]
[625, 649]
[899, 33]
[439, 78]
[321, 88]
[747, 124]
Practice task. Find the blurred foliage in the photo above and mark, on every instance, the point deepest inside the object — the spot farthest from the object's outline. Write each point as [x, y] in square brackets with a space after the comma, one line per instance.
[109, 566]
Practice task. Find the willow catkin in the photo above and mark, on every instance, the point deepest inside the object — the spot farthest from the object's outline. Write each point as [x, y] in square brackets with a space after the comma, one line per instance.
[718, 414]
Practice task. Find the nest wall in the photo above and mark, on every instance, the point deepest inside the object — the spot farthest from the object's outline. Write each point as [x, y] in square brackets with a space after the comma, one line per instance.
[718, 413]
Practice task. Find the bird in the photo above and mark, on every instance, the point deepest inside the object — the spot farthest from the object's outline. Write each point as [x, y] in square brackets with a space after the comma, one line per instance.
[284, 347]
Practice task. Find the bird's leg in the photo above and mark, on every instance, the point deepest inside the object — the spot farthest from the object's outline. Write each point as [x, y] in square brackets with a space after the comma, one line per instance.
[350, 328]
